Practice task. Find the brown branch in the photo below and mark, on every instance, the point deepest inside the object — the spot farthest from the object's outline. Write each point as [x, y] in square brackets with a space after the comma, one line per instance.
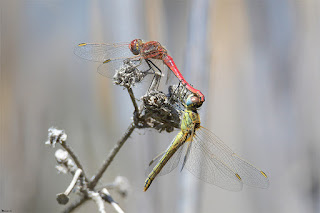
[75, 204]
[133, 99]
[111, 155]
[75, 158]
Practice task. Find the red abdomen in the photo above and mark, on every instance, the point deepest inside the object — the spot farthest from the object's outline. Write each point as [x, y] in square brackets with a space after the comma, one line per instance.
[168, 60]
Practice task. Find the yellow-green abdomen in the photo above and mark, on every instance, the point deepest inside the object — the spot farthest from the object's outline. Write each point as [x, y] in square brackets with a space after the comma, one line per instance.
[178, 141]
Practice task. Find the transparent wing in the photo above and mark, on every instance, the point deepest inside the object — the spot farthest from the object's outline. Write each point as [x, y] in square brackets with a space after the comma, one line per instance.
[211, 169]
[109, 67]
[217, 155]
[102, 52]
[170, 165]
[112, 56]
[188, 148]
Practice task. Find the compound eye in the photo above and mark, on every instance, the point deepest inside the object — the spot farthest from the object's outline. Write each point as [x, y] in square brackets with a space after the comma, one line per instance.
[139, 42]
[193, 101]
[135, 46]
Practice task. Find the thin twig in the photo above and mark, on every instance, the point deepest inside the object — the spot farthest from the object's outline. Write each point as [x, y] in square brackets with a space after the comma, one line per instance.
[133, 99]
[107, 197]
[63, 198]
[74, 157]
[75, 204]
[111, 155]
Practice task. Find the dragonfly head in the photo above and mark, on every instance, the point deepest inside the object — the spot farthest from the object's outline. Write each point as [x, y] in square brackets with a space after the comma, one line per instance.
[193, 101]
[135, 46]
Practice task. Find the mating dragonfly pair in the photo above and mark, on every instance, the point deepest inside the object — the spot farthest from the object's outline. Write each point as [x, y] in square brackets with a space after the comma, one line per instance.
[204, 154]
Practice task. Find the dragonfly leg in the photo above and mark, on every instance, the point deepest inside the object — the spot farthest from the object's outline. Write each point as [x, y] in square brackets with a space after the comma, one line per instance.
[156, 78]
[154, 83]
[155, 66]
[150, 67]
[182, 96]
[172, 93]
[140, 61]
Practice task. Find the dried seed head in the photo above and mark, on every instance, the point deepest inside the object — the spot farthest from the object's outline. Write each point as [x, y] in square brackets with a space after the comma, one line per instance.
[55, 136]
[128, 74]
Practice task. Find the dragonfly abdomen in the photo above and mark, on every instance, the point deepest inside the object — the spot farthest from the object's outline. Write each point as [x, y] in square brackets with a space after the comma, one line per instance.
[178, 141]
[168, 60]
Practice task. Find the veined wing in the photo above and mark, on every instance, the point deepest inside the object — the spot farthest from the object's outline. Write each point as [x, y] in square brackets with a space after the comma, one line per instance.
[109, 67]
[101, 52]
[211, 169]
[218, 156]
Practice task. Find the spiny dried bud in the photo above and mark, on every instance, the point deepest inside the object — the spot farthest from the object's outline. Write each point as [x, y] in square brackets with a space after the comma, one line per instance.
[65, 162]
[128, 74]
[55, 136]
[61, 156]
[158, 113]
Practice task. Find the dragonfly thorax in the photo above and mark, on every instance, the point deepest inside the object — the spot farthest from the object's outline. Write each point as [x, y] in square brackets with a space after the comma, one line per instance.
[191, 120]
[154, 50]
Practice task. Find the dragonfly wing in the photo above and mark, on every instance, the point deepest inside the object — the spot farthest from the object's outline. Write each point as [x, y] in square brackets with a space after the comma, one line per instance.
[170, 165]
[251, 175]
[102, 52]
[108, 69]
[213, 147]
[210, 169]
[186, 156]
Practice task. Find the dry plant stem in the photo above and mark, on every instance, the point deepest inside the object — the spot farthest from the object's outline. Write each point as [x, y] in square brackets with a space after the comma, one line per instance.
[133, 99]
[74, 157]
[75, 204]
[111, 155]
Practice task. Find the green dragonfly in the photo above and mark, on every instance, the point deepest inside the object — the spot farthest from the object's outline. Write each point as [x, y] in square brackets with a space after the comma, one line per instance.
[206, 156]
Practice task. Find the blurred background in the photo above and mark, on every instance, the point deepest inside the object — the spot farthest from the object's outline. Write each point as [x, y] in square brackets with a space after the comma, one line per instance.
[256, 61]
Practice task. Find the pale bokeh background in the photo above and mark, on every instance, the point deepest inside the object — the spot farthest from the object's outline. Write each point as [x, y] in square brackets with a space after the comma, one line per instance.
[257, 62]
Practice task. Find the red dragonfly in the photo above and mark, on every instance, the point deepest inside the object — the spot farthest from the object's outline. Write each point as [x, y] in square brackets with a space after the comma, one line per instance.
[112, 57]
